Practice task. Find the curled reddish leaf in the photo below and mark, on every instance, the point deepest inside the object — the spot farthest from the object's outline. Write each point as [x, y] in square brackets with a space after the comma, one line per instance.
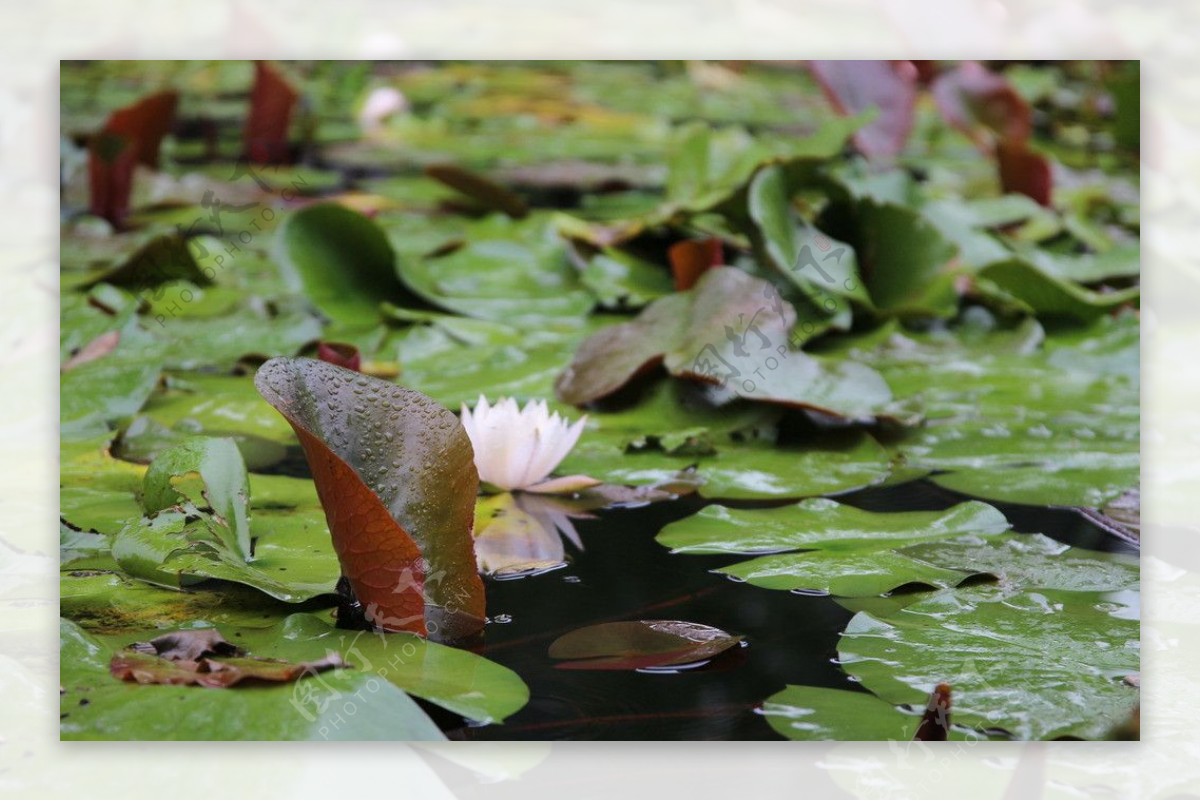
[691, 257]
[146, 123]
[271, 102]
[976, 100]
[111, 159]
[640, 644]
[396, 476]
[1024, 171]
[341, 354]
[890, 86]
[971, 97]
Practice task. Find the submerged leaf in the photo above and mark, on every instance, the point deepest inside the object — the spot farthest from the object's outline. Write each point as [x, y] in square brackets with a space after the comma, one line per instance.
[640, 644]
[396, 476]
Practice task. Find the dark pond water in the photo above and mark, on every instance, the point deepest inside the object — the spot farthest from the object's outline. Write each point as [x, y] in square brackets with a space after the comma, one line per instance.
[623, 574]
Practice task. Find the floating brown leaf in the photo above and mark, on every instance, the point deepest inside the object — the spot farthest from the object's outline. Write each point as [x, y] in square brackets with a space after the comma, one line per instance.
[479, 188]
[640, 644]
[189, 645]
[205, 658]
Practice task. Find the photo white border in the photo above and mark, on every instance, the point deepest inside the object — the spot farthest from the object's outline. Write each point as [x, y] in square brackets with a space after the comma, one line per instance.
[37, 35]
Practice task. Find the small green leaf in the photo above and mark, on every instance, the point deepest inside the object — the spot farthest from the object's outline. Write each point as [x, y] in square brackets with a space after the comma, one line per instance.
[821, 713]
[341, 260]
[226, 487]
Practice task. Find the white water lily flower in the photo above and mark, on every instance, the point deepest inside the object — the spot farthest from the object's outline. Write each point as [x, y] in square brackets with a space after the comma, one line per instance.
[516, 449]
[381, 103]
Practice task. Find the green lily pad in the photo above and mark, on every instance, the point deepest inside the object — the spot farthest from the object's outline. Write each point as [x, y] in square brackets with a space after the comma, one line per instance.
[341, 260]
[822, 524]
[1040, 664]
[821, 713]
[293, 558]
[791, 247]
[99, 394]
[622, 280]
[1006, 421]
[845, 551]
[97, 706]
[453, 678]
[904, 260]
[212, 405]
[251, 329]
[1052, 296]
[829, 464]
[1032, 560]
[524, 282]
[733, 330]
[453, 373]
[845, 573]
[109, 602]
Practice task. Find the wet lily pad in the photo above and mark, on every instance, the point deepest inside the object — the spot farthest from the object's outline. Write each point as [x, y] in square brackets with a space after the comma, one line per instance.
[176, 549]
[823, 524]
[383, 669]
[1040, 664]
[1049, 295]
[523, 283]
[733, 330]
[95, 706]
[829, 464]
[820, 713]
[104, 392]
[1013, 419]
